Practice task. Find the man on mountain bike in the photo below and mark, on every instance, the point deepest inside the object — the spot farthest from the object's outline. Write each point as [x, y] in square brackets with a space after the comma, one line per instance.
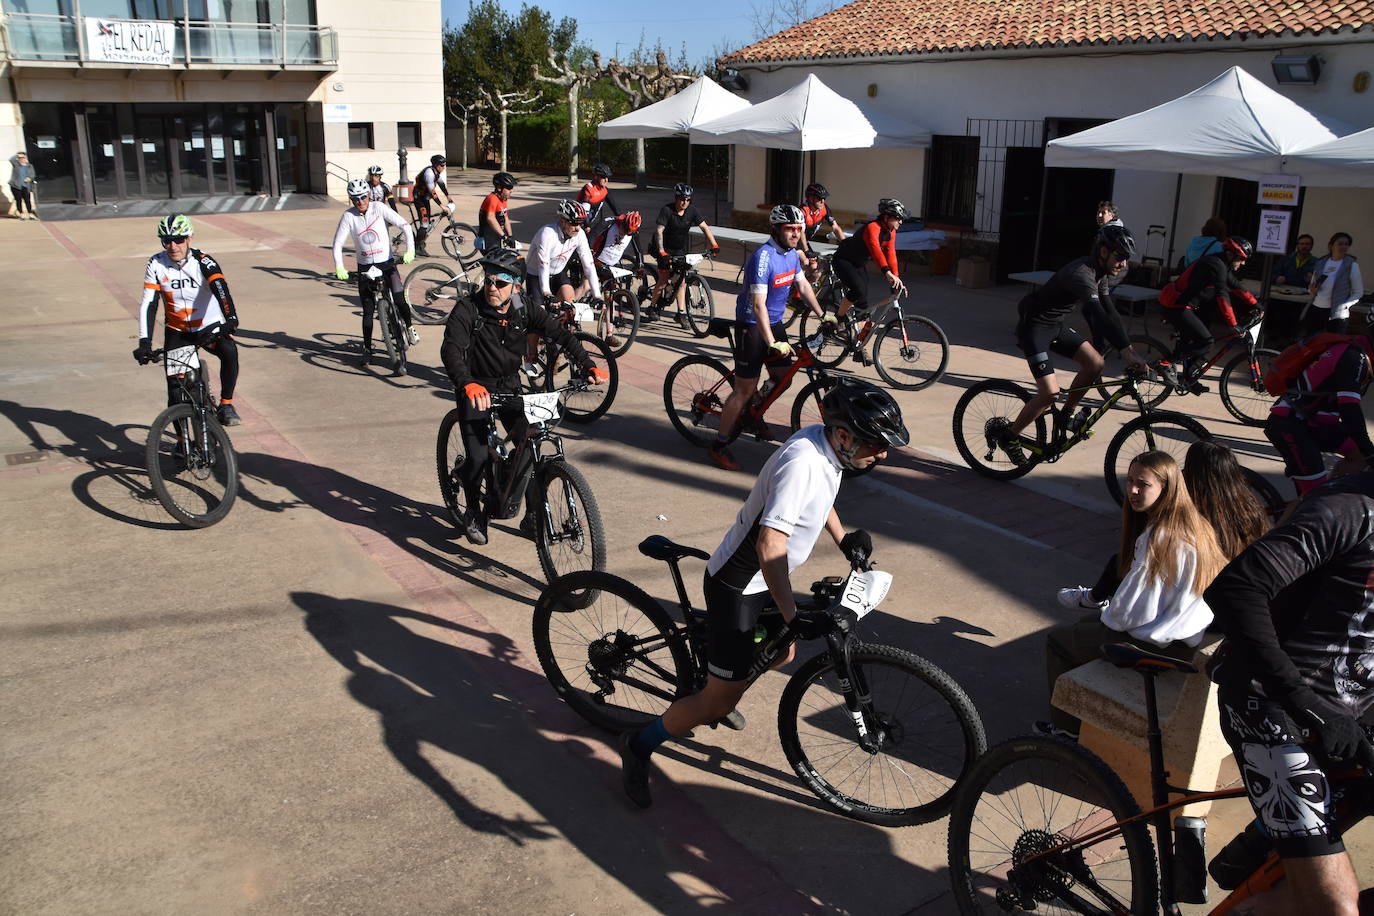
[196, 308]
[1296, 674]
[493, 216]
[1210, 288]
[1041, 329]
[876, 240]
[819, 220]
[672, 233]
[367, 224]
[792, 501]
[760, 336]
[484, 338]
[377, 189]
[429, 186]
[596, 197]
[550, 253]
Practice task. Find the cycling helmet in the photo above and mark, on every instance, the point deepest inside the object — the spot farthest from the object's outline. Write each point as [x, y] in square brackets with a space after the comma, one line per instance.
[1238, 247]
[601, 170]
[176, 224]
[572, 211]
[374, 170]
[816, 190]
[682, 189]
[503, 180]
[632, 221]
[1118, 239]
[357, 188]
[891, 206]
[786, 215]
[503, 260]
[868, 412]
[436, 159]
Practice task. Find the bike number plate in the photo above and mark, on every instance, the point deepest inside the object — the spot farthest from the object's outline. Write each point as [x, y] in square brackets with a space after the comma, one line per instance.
[582, 311]
[1253, 333]
[693, 259]
[620, 273]
[179, 360]
[373, 273]
[541, 407]
[863, 591]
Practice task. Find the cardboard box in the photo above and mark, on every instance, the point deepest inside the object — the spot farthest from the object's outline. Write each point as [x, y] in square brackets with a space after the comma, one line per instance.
[973, 272]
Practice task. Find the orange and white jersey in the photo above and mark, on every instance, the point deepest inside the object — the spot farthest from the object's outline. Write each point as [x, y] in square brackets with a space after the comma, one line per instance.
[193, 294]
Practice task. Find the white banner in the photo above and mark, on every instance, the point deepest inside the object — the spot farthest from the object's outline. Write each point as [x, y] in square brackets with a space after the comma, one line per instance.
[1273, 232]
[129, 41]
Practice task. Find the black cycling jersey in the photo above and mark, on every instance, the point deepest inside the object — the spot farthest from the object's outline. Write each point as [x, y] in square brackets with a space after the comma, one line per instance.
[484, 346]
[1079, 282]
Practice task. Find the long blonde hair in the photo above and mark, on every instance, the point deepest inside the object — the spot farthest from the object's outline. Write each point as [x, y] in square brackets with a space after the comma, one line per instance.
[1176, 522]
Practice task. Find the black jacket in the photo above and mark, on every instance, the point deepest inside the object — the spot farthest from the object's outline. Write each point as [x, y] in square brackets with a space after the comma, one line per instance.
[484, 346]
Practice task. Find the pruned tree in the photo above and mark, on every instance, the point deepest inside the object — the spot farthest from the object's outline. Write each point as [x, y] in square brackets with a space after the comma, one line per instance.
[506, 104]
[462, 113]
[644, 84]
[572, 78]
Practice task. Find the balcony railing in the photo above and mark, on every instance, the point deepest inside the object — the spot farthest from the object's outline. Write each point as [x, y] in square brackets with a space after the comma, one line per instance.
[46, 37]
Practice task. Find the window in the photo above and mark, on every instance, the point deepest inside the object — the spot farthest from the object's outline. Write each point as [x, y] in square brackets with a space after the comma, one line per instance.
[408, 134]
[953, 180]
[360, 136]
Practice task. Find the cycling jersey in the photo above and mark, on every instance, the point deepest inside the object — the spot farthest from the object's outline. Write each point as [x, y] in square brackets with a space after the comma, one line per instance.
[549, 254]
[486, 346]
[429, 180]
[1322, 412]
[1079, 282]
[493, 206]
[872, 241]
[1211, 280]
[371, 238]
[772, 271]
[677, 227]
[794, 494]
[816, 217]
[381, 193]
[193, 294]
[595, 198]
[613, 244]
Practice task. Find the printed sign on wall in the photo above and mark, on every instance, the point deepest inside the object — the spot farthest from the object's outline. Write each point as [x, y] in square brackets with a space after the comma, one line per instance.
[129, 41]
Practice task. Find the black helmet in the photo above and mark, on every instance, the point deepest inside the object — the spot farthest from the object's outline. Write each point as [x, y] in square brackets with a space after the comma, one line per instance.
[817, 190]
[682, 189]
[1117, 239]
[436, 159]
[505, 261]
[601, 170]
[503, 180]
[1238, 247]
[891, 206]
[867, 411]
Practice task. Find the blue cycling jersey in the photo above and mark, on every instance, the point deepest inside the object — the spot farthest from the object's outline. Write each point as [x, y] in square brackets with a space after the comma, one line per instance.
[769, 270]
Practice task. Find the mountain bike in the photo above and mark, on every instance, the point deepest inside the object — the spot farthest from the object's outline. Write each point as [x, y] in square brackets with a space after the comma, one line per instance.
[459, 240]
[583, 403]
[394, 338]
[191, 462]
[432, 288]
[1043, 825]
[615, 316]
[698, 306]
[910, 351]
[568, 534]
[877, 733]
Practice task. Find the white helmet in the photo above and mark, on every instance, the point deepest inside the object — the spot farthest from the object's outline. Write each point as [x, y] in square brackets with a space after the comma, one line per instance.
[573, 211]
[786, 215]
[357, 188]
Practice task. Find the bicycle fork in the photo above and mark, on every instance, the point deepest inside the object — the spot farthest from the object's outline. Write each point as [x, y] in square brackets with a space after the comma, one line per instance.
[858, 699]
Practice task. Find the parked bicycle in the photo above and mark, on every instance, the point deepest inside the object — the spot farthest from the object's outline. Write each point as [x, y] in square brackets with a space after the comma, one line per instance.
[582, 404]
[191, 462]
[877, 733]
[910, 351]
[568, 533]
[698, 306]
[394, 339]
[1043, 825]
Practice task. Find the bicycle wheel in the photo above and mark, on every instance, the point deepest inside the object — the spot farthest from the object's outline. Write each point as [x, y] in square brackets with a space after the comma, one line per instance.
[388, 341]
[911, 353]
[570, 536]
[431, 291]
[448, 460]
[806, 409]
[694, 391]
[194, 473]
[586, 405]
[922, 735]
[1242, 387]
[398, 335]
[1027, 796]
[985, 410]
[1165, 430]
[619, 660]
[699, 305]
[459, 241]
[829, 347]
[1268, 495]
[1153, 390]
[620, 316]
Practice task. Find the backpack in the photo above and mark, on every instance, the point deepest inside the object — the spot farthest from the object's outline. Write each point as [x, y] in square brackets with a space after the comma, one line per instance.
[1291, 363]
[1172, 293]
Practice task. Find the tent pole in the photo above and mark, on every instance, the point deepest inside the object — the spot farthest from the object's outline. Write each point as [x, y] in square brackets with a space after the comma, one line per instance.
[1173, 229]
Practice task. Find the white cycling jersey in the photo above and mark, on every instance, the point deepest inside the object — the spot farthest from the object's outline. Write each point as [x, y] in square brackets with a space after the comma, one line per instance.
[193, 294]
[617, 240]
[371, 238]
[549, 253]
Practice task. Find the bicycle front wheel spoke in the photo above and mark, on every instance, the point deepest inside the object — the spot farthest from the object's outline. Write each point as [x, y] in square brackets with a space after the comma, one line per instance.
[569, 535]
[911, 353]
[191, 466]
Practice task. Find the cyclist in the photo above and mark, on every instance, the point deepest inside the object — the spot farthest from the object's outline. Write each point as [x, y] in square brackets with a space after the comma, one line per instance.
[483, 340]
[550, 252]
[876, 240]
[371, 245]
[1295, 675]
[610, 248]
[196, 308]
[596, 197]
[1211, 281]
[377, 189]
[1322, 412]
[672, 230]
[429, 186]
[760, 337]
[819, 219]
[493, 216]
[792, 501]
[1041, 330]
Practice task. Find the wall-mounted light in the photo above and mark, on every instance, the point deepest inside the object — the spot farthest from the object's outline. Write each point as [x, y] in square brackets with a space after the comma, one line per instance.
[731, 79]
[1296, 70]
[872, 90]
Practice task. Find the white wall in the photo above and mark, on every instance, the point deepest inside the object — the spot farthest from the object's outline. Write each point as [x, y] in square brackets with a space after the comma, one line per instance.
[857, 178]
[1329, 210]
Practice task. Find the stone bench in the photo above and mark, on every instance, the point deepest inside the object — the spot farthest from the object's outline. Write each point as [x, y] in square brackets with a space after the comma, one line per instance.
[1110, 701]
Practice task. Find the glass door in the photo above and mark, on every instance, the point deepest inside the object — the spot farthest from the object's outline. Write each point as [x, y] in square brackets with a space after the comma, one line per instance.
[107, 153]
[191, 152]
[150, 134]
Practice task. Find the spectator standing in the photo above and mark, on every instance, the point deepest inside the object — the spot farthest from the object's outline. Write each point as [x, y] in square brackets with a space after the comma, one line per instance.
[22, 182]
[1209, 242]
[1336, 286]
[1296, 268]
[1108, 215]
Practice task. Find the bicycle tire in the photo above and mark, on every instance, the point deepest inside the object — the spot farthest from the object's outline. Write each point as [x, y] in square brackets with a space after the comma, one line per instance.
[448, 459]
[916, 362]
[1243, 395]
[998, 401]
[829, 347]
[622, 638]
[694, 391]
[930, 736]
[388, 342]
[431, 290]
[569, 536]
[589, 403]
[459, 241]
[1028, 794]
[698, 305]
[398, 335]
[622, 316]
[1153, 391]
[1165, 430]
[806, 409]
[195, 494]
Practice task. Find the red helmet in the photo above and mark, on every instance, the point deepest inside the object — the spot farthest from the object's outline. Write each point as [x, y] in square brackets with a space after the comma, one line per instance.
[631, 221]
[1237, 248]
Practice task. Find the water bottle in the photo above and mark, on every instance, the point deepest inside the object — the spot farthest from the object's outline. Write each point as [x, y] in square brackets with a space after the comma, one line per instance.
[765, 388]
[1190, 859]
[1240, 858]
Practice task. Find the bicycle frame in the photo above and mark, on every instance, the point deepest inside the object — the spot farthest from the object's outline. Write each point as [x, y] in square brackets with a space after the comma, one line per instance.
[194, 390]
[509, 474]
[1243, 332]
[1058, 444]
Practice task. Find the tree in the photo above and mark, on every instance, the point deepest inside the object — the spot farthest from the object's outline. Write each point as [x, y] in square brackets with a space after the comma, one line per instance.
[644, 83]
[572, 79]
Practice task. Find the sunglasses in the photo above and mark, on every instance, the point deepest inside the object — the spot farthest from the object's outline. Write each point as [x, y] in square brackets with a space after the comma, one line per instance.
[174, 239]
[1118, 258]
[498, 281]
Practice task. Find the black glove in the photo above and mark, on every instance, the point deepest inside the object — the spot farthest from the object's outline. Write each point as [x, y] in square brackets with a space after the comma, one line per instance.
[1339, 734]
[144, 353]
[508, 241]
[551, 301]
[812, 624]
[231, 324]
[857, 545]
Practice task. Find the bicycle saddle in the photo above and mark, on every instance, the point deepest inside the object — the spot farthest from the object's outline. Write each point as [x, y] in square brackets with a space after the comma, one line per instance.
[1125, 655]
[720, 327]
[657, 547]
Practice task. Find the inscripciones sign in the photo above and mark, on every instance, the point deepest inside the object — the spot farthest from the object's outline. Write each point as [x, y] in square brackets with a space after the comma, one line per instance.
[1281, 190]
[129, 41]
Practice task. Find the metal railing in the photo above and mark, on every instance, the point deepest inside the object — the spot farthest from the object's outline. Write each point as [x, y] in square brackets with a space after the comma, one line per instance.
[48, 37]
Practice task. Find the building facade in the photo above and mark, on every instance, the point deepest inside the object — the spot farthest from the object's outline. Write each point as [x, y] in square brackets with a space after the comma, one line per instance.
[180, 99]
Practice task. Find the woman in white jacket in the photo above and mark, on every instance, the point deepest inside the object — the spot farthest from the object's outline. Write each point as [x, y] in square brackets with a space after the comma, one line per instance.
[1169, 555]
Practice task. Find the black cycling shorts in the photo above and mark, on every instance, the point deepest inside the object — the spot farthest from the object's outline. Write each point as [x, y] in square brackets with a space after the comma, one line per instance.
[1038, 341]
[1300, 444]
[853, 281]
[750, 349]
[555, 281]
[730, 620]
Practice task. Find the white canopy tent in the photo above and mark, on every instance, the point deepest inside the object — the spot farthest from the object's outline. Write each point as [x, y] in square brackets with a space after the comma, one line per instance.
[1344, 163]
[702, 101]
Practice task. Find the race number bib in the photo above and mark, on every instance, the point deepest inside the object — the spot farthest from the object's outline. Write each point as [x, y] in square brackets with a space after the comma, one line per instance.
[863, 591]
[541, 407]
[583, 312]
[180, 359]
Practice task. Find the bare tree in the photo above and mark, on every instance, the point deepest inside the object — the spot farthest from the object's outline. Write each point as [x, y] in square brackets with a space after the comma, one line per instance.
[772, 18]
[506, 104]
[572, 79]
[644, 83]
[463, 112]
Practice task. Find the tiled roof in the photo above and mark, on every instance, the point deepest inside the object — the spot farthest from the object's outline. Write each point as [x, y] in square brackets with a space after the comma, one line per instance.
[903, 27]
